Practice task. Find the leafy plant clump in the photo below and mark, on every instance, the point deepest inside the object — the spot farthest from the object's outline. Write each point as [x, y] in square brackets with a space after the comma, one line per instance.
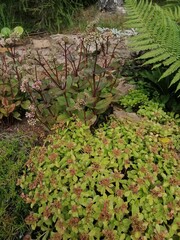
[134, 99]
[82, 82]
[138, 101]
[12, 101]
[120, 183]
[14, 150]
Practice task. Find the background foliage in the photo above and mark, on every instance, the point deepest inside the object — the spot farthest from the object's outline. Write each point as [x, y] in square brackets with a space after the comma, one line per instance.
[159, 43]
[39, 15]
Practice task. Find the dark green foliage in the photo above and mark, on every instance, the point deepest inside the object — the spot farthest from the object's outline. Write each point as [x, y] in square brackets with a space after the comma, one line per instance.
[14, 149]
[160, 41]
[146, 81]
[39, 15]
[120, 183]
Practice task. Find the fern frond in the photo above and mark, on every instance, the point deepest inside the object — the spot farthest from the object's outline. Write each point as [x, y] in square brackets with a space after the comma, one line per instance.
[176, 78]
[153, 53]
[145, 47]
[173, 68]
[178, 88]
[159, 58]
[169, 61]
[174, 13]
[158, 34]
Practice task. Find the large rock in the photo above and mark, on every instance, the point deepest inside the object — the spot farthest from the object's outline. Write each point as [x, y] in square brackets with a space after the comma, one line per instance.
[110, 5]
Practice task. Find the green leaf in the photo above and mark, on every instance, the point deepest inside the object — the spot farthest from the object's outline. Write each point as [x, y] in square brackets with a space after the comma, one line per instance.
[62, 117]
[176, 78]
[103, 104]
[5, 32]
[17, 115]
[174, 67]
[55, 91]
[105, 95]
[61, 101]
[69, 81]
[122, 237]
[25, 104]
[18, 30]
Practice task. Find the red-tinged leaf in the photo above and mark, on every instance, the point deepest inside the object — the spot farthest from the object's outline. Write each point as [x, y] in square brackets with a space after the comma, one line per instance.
[5, 102]
[11, 108]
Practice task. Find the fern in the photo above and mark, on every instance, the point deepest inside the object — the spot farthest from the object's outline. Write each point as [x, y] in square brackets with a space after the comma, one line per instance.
[173, 9]
[159, 36]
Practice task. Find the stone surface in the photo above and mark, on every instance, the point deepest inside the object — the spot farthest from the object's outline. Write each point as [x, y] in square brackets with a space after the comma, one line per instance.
[41, 43]
[121, 114]
[124, 87]
[109, 5]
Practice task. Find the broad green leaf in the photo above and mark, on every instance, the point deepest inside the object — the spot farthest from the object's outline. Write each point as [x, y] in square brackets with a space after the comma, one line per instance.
[25, 104]
[17, 115]
[103, 103]
[61, 101]
[18, 30]
[5, 32]
[69, 81]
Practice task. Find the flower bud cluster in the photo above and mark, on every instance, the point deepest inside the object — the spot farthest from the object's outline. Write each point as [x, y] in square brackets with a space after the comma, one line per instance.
[31, 115]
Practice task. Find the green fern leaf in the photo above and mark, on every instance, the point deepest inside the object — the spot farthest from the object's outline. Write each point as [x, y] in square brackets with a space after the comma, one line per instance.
[141, 43]
[145, 47]
[176, 78]
[152, 53]
[156, 65]
[178, 88]
[141, 37]
[174, 67]
[158, 58]
[170, 61]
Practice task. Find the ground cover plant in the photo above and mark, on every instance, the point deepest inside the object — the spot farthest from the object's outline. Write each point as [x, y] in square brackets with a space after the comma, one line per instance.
[14, 151]
[120, 183]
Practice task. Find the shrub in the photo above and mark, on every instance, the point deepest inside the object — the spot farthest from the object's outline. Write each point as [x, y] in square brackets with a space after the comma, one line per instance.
[120, 183]
[14, 150]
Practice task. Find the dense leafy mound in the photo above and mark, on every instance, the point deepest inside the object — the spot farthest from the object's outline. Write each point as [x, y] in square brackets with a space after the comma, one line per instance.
[120, 183]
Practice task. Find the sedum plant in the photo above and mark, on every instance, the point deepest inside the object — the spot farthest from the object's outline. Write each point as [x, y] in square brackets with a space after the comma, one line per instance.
[159, 41]
[120, 183]
[12, 101]
[82, 83]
